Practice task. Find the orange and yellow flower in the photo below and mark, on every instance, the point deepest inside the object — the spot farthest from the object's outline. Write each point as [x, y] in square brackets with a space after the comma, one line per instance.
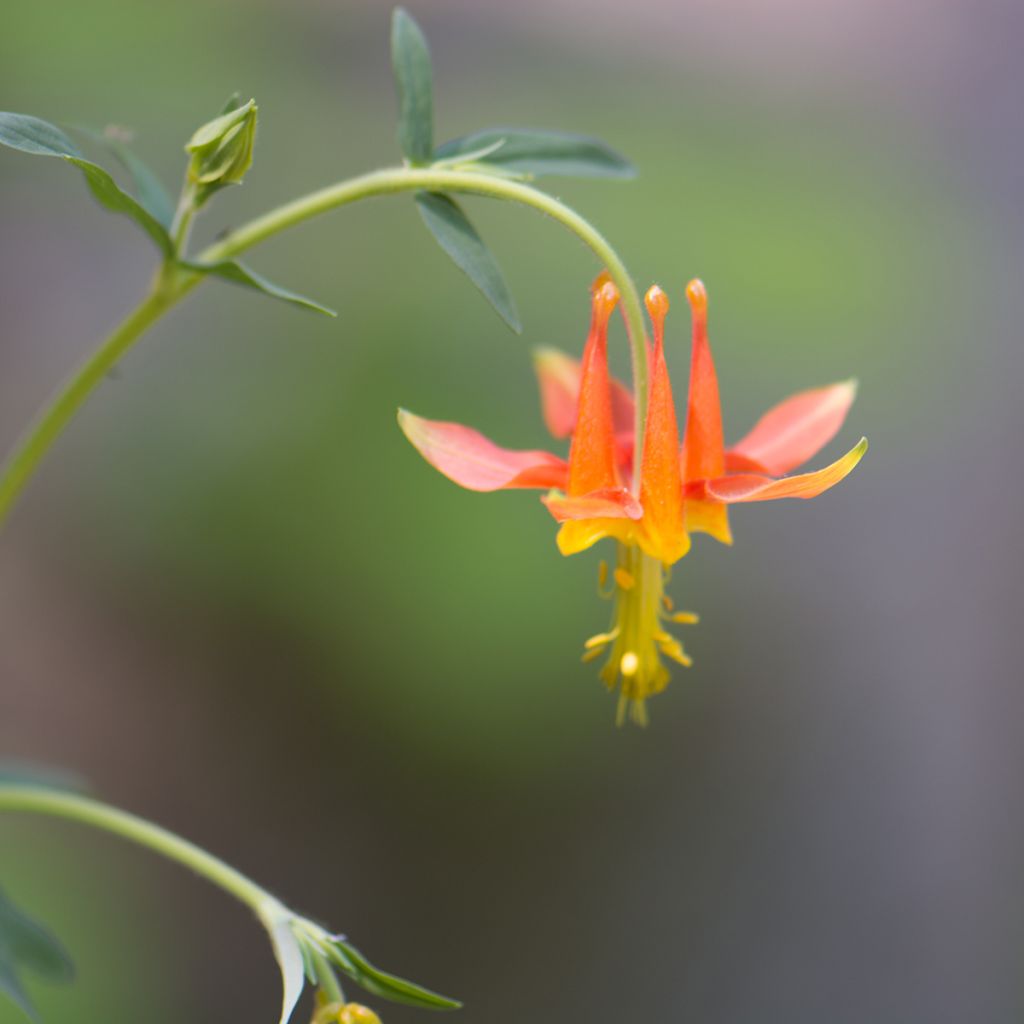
[680, 489]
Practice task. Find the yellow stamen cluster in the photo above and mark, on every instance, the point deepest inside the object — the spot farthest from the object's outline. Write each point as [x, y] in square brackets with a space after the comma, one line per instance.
[637, 638]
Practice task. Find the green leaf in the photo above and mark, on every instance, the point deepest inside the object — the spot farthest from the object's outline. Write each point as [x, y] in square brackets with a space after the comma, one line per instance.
[457, 236]
[108, 193]
[31, 135]
[10, 986]
[538, 152]
[380, 983]
[149, 189]
[410, 59]
[25, 945]
[238, 273]
[288, 954]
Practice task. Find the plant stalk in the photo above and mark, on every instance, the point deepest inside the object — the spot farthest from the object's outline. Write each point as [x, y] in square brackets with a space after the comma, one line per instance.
[70, 806]
[173, 283]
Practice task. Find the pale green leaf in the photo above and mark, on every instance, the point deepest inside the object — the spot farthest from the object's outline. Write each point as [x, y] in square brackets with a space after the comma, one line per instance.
[410, 59]
[108, 193]
[33, 135]
[25, 945]
[238, 273]
[149, 189]
[11, 986]
[537, 152]
[349, 960]
[457, 236]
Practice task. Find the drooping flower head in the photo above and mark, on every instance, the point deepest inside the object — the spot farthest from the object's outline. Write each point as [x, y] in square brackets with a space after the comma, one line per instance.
[650, 510]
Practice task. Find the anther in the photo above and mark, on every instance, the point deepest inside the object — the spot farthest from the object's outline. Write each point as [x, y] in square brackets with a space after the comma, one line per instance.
[686, 618]
[674, 650]
[601, 640]
[624, 579]
[629, 663]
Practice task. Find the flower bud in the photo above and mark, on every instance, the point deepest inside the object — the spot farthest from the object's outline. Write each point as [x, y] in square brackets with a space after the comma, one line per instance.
[222, 149]
[353, 1013]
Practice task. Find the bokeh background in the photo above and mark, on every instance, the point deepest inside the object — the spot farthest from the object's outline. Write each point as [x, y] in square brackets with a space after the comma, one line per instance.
[238, 603]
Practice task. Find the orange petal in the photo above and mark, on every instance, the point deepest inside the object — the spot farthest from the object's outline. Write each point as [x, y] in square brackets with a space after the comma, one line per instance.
[472, 461]
[592, 455]
[754, 487]
[737, 463]
[559, 377]
[796, 430]
[661, 482]
[703, 454]
[614, 503]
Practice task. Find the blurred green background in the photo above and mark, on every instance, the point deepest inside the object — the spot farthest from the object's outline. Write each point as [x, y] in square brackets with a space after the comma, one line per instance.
[239, 603]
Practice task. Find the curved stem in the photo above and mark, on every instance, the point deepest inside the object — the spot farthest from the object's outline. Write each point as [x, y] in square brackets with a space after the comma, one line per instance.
[434, 179]
[173, 283]
[36, 800]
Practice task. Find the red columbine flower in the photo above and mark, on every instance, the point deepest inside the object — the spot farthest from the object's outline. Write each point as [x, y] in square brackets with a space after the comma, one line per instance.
[680, 491]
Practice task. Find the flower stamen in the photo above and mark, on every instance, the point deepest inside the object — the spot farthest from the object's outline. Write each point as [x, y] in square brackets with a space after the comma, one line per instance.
[624, 579]
[637, 641]
[685, 618]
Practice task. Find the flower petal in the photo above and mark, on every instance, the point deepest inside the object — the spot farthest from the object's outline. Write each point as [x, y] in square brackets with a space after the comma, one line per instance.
[754, 487]
[559, 377]
[703, 454]
[661, 481]
[611, 503]
[593, 459]
[737, 463]
[591, 517]
[797, 429]
[472, 461]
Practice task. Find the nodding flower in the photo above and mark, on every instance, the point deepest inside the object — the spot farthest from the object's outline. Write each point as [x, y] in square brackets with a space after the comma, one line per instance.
[680, 489]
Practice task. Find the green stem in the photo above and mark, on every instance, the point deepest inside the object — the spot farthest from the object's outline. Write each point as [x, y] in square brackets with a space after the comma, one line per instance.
[183, 217]
[49, 425]
[174, 283]
[36, 800]
[378, 183]
[326, 979]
